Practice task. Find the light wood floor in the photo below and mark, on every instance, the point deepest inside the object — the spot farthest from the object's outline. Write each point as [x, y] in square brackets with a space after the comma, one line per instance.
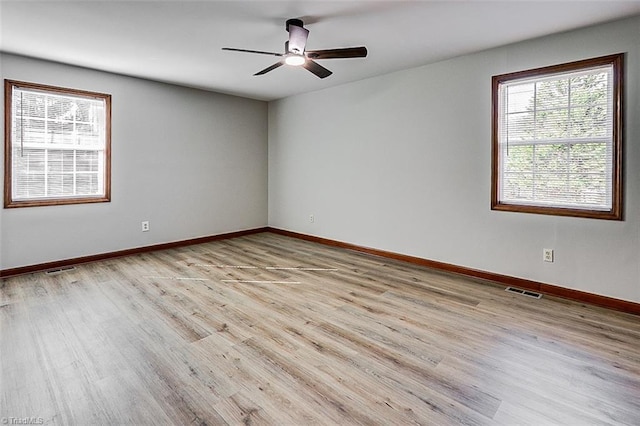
[224, 333]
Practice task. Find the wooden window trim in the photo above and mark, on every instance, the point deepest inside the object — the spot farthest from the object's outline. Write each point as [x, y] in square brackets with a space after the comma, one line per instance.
[615, 213]
[8, 166]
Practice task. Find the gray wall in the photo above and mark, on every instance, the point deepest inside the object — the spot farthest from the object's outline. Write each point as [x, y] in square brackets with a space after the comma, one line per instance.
[193, 163]
[402, 163]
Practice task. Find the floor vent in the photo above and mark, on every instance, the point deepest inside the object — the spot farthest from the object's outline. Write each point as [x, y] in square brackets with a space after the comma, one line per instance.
[60, 270]
[524, 292]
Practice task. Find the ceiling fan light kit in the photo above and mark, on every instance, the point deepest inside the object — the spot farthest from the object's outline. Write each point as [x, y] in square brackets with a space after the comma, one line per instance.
[295, 52]
[294, 59]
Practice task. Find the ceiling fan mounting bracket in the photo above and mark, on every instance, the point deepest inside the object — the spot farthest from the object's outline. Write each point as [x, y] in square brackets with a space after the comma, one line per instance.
[295, 23]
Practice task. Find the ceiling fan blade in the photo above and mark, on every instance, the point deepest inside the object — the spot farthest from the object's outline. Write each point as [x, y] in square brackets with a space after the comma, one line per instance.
[260, 52]
[271, 68]
[297, 38]
[347, 52]
[317, 69]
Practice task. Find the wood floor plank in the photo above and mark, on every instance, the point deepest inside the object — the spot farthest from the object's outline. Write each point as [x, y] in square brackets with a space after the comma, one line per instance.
[266, 329]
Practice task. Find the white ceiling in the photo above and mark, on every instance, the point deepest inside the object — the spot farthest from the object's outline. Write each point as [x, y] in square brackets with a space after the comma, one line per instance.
[180, 41]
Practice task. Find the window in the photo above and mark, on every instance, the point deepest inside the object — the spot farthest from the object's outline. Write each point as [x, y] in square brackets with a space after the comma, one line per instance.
[57, 145]
[557, 139]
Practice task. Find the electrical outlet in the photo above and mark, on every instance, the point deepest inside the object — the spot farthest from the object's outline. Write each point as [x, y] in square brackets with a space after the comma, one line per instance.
[547, 255]
[312, 218]
[145, 225]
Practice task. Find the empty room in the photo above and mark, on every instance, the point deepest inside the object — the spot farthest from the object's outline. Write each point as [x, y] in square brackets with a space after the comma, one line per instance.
[320, 212]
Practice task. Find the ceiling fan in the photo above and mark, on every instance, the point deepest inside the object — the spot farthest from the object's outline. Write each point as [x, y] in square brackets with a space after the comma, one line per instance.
[296, 55]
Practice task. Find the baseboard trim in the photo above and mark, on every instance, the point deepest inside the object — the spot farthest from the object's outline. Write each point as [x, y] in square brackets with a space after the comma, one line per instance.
[127, 252]
[549, 289]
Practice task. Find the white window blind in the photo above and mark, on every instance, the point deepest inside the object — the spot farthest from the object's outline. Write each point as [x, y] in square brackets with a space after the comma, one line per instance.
[557, 139]
[58, 145]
